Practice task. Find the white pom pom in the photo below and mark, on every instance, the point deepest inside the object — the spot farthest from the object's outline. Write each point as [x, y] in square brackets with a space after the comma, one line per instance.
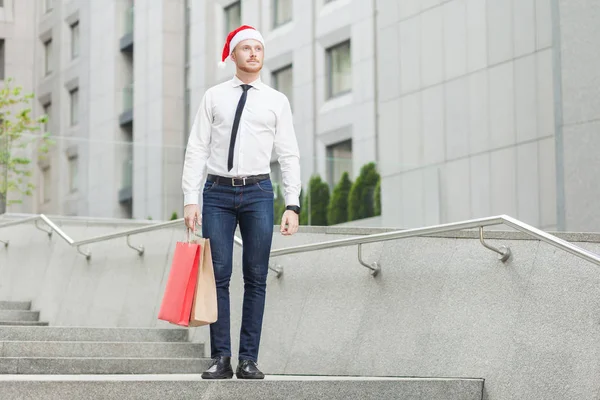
[222, 64]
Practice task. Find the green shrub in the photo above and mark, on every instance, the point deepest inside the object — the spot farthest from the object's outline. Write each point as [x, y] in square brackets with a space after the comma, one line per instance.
[337, 211]
[361, 202]
[377, 205]
[319, 200]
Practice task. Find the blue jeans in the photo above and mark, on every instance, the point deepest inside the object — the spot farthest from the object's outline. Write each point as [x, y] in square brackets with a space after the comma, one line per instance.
[223, 208]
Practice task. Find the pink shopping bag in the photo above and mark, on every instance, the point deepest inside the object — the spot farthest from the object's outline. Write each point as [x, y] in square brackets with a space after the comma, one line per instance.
[176, 306]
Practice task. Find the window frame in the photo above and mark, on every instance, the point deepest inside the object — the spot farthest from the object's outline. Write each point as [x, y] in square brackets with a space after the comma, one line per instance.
[330, 160]
[226, 12]
[47, 107]
[75, 44]
[275, 81]
[276, 23]
[2, 58]
[74, 116]
[73, 165]
[48, 57]
[46, 185]
[329, 55]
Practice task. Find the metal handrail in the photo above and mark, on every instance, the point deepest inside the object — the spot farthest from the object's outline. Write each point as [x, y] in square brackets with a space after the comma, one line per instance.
[88, 255]
[504, 252]
[96, 239]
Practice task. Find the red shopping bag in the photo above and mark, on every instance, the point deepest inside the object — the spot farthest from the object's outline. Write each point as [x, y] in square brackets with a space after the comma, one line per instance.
[177, 300]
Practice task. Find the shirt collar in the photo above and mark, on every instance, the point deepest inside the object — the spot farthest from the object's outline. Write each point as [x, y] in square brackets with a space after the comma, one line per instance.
[257, 84]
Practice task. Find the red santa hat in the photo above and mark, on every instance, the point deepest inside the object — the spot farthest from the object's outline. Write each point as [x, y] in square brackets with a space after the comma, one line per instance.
[240, 34]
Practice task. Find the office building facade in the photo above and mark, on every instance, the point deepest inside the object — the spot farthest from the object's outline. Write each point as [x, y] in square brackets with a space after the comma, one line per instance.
[469, 108]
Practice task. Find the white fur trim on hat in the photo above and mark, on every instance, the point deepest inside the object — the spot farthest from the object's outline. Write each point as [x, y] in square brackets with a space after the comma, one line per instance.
[245, 35]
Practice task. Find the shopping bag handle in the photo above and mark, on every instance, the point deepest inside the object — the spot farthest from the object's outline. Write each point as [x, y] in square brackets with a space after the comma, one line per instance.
[189, 233]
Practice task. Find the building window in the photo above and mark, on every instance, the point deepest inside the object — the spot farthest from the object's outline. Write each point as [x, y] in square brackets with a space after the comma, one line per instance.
[282, 12]
[48, 114]
[75, 40]
[339, 160]
[233, 16]
[283, 81]
[46, 185]
[339, 65]
[73, 173]
[48, 57]
[2, 59]
[74, 106]
[48, 5]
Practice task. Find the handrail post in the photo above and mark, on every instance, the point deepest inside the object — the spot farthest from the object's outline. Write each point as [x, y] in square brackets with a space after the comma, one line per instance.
[139, 249]
[48, 231]
[374, 266]
[278, 269]
[87, 254]
[503, 251]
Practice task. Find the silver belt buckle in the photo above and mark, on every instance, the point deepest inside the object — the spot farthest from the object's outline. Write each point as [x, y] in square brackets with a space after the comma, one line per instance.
[242, 179]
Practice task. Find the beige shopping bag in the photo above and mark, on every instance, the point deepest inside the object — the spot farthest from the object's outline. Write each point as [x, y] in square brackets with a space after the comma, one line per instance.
[204, 307]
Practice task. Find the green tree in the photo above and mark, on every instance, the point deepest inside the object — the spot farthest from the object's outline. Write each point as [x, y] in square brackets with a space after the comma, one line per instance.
[337, 211]
[361, 202]
[303, 220]
[377, 205]
[316, 202]
[17, 133]
[278, 204]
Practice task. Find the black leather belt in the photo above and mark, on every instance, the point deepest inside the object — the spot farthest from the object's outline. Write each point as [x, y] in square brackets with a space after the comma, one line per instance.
[248, 180]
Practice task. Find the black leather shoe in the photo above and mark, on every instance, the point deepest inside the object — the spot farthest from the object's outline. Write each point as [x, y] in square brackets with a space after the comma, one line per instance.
[247, 369]
[219, 369]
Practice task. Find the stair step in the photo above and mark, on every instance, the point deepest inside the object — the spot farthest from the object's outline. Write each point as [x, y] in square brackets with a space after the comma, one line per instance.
[101, 349]
[15, 305]
[155, 387]
[23, 323]
[65, 334]
[80, 365]
[19, 315]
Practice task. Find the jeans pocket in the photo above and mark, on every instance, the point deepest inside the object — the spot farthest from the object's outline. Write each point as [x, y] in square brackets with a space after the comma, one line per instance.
[266, 186]
[208, 186]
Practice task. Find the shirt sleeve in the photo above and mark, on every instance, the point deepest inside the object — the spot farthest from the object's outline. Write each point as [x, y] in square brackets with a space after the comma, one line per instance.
[197, 152]
[286, 148]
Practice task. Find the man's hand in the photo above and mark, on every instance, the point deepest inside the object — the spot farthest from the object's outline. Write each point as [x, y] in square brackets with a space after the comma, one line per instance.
[192, 216]
[289, 223]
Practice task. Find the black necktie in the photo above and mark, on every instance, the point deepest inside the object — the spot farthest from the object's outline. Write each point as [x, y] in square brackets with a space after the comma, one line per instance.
[236, 123]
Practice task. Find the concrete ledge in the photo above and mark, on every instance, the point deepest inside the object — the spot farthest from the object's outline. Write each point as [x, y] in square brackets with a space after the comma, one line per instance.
[19, 315]
[15, 305]
[53, 333]
[297, 388]
[102, 349]
[114, 365]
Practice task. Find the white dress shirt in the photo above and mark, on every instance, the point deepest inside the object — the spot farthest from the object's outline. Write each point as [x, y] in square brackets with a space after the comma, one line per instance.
[266, 123]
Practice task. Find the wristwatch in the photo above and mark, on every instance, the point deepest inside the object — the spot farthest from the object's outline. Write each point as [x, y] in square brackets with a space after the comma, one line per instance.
[295, 209]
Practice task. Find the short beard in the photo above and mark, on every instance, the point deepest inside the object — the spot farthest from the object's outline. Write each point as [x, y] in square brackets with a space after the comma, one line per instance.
[250, 70]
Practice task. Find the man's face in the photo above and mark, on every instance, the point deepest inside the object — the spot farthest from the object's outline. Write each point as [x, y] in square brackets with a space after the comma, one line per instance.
[248, 55]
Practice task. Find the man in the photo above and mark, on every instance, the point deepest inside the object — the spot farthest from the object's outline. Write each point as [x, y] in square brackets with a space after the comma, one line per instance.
[238, 124]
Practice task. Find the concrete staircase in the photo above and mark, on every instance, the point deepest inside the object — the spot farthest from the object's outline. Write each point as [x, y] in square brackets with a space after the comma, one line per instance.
[72, 350]
[128, 363]
[18, 313]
